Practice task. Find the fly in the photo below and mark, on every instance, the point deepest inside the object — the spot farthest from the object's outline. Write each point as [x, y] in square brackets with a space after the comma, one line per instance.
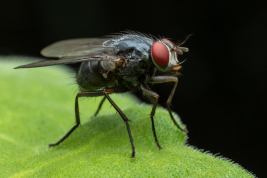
[118, 64]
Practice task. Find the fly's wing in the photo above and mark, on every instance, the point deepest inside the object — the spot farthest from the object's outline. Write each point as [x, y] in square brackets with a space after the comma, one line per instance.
[75, 51]
[70, 60]
[73, 47]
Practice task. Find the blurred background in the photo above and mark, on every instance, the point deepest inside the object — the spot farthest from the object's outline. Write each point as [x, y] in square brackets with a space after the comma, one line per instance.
[221, 96]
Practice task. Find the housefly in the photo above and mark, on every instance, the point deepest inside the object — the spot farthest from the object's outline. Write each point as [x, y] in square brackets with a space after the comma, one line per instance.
[119, 63]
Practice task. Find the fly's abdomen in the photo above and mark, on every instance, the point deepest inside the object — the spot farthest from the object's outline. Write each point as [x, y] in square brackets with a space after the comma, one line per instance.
[92, 76]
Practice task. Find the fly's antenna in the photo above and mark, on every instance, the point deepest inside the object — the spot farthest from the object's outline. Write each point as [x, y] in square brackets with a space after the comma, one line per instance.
[185, 39]
[180, 50]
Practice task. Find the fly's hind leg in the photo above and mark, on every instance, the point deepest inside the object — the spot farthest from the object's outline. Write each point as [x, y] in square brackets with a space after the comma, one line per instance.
[105, 92]
[77, 115]
[164, 79]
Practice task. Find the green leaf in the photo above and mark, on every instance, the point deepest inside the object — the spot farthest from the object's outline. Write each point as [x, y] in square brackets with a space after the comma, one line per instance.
[37, 108]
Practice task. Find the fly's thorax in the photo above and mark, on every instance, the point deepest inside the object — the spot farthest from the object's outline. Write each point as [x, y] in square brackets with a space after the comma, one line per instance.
[131, 46]
[93, 76]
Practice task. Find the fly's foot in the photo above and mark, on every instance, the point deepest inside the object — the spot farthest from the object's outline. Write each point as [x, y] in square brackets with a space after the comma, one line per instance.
[50, 145]
[185, 130]
[133, 155]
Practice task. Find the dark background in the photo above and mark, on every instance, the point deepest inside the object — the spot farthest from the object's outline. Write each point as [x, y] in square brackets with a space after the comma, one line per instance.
[221, 96]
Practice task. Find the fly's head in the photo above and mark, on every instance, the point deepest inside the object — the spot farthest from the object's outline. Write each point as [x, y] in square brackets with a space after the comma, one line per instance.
[164, 54]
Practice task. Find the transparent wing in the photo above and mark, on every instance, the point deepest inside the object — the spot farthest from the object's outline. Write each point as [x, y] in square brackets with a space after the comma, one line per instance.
[74, 47]
[70, 60]
[75, 51]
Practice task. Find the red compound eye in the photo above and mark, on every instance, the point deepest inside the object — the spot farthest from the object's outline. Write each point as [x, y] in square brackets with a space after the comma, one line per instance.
[171, 43]
[160, 54]
[168, 41]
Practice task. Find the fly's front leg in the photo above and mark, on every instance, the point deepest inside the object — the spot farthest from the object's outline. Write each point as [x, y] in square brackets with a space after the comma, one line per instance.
[164, 79]
[147, 91]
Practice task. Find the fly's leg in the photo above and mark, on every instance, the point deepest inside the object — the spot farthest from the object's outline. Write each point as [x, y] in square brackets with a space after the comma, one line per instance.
[77, 115]
[100, 106]
[126, 120]
[104, 92]
[147, 91]
[164, 79]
